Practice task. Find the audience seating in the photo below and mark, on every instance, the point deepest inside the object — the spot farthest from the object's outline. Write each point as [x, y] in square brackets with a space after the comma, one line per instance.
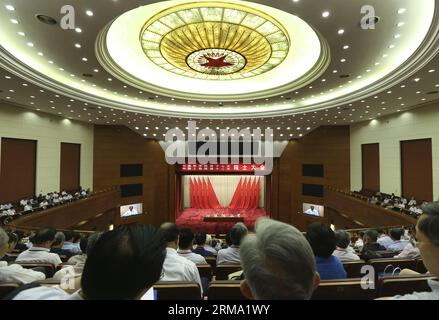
[62, 265]
[343, 289]
[225, 290]
[205, 271]
[389, 286]
[353, 268]
[211, 261]
[380, 264]
[177, 290]
[420, 267]
[7, 287]
[48, 267]
[223, 270]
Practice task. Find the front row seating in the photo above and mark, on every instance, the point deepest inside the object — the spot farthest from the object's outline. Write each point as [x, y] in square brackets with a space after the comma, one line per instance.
[177, 290]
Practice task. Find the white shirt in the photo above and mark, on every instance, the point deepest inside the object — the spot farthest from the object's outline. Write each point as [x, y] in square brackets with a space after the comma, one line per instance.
[433, 295]
[47, 293]
[27, 207]
[345, 255]
[16, 273]
[409, 252]
[359, 244]
[176, 268]
[229, 255]
[210, 249]
[130, 213]
[72, 247]
[398, 245]
[385, 241]
[412, 202]
[194, 257]
[312, 212]
[39, 255]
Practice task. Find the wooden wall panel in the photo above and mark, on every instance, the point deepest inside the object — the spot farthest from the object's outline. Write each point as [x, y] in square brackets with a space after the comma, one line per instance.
[17, 169]
[116, 145]
[328, 145]
[417, 169]
[70, 166]
[370, 166]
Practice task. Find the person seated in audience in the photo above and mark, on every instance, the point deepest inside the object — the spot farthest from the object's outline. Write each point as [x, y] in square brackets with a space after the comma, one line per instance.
[404, 201]
[15, 272]
[427, 234]
[69, 244]
[383, 238]
[387, 201]
[136, 248]
[371, 245]
[40, 250]
[412, 202]
[212, 247]
[27, 207]
[77, 242]
[359, 244]
[57, 245]
[20, 246]
[200, 241]
[175, 267]
[411, 251]
[12, 243]
[343, 250]
[278, 263]
[398, 245]
[87, 245]
[373, 200]
[44, 204]
[323, 243]
[231, 254]
[185, 243]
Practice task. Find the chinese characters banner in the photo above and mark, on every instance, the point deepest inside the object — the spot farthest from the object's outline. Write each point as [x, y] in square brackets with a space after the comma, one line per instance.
[220, 168]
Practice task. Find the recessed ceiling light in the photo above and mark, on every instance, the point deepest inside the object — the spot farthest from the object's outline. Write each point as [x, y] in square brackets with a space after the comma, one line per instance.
[334, 71]
[95, 70]
[325, 14]
[84, 59]
[40, 54]
[345, 47]
[77, 45]
[341, 31]
[89, 13]
[432, 70]
[401, 11]
[10, 7]
[50, 61]
[343, 60]
[417, 79]
[109, 79]
[8, 77]
[400, 24]
[397, 36]
[30, 44]
[14, 21]
[21, 33]
[391, 46]
[78, 30]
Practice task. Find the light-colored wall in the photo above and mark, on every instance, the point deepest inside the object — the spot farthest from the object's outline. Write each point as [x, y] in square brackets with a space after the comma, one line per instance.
[49, 131]
[419, 123]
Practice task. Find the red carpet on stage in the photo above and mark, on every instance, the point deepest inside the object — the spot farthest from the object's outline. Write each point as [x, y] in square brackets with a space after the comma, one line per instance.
[194, 219]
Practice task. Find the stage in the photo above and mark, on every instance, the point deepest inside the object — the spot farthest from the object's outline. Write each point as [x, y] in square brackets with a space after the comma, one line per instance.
[194, 219]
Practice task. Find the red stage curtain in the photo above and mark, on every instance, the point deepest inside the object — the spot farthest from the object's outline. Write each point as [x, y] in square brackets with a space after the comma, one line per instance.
[235, 197]
[257, 192]
[213, 199]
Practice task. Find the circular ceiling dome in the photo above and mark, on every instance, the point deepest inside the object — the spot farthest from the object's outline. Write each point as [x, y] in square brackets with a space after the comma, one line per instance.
[215, 41]
[212, 51]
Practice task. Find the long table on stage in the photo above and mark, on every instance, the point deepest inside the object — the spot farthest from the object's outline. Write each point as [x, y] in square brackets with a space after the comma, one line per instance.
[224, 219]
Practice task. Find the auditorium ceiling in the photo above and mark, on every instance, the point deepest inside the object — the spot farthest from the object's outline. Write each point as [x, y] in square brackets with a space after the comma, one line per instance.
[291, 65]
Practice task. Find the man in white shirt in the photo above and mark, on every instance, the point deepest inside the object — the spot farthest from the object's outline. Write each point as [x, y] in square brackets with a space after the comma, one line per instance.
[427, 234]
[27, 207]
[185, 243]
[343, 251]
[15, 272]
[40, 250]
[312, 212]
[136, 254]
[208, 245]
[412, 202]
[130, 212]
[398, 245]
[359, 244]
[175, 267]
[231, 255]
[383, 238]
[69, 244]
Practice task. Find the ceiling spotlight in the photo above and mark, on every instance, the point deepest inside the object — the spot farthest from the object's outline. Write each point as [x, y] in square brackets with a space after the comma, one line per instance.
[14, 21]
[341, 31]
[96, 70]
[46, 19]
[10, 7]
[84, 59]
[343, 60]
[345, 47]
[40, 54]
[325, 14]
[401, 11]
[400, 24]
[417, 79]
[77, 45]
[21, 33]
[89, 13]
[78, 30]
[30, 44]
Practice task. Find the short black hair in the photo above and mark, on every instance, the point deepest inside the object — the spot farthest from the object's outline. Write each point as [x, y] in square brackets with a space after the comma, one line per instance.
[13, 237]
[186, 238]
[372, 235]
[44, 235]
[124, 263]
[77, 236]
[237, 233]
[83, 244]
[91, 241]
[342, 238]
[428, 223]
[200, 238]
[59, 238]
[397, 233]
[361, 234]
[380, 230]
[169, 232]
[321, 238]
[69, 235]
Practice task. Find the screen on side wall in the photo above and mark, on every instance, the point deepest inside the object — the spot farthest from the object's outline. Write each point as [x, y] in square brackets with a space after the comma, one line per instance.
[130, 210]
[313, 209]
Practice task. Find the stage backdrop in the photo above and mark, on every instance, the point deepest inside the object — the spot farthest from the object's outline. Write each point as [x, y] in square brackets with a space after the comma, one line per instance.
[224, 187]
